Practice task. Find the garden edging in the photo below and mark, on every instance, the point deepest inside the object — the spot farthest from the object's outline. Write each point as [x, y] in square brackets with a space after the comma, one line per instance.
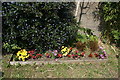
[56, 62]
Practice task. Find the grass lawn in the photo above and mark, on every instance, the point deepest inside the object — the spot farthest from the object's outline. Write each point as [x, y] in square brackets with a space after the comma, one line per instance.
[107, 69]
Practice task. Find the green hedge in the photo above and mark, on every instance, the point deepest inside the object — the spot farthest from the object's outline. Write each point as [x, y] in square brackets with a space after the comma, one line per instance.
[39, 25]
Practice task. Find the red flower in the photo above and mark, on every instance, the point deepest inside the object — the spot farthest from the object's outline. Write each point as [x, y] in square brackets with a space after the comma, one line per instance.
[32, 52]
[68, 55]
[82, 54]
[70, 48]
[39, 55]
[34, 57]
[96, 55]
[31, 55]
[59, 55]
[90, 55]
[47, 54]
[28, 51]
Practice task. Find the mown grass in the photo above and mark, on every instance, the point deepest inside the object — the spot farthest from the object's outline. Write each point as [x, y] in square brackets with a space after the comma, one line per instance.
[107, 69]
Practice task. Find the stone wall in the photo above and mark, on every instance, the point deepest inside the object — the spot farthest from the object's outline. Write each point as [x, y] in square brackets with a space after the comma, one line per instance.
[88, 16]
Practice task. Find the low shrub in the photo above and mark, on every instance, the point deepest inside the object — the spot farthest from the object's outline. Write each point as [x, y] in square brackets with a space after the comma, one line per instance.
[80, 46]
[93, 45]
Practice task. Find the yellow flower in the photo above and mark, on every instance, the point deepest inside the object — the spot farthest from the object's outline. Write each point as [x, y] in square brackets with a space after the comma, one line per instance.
[18, 53]
[27, 56]
[21, 57]
[62, 47]
[24, 51]
[22, 54]
[65, 50]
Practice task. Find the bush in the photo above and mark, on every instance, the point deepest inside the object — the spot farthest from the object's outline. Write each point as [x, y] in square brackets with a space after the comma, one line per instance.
[38, 25]
[111, 12]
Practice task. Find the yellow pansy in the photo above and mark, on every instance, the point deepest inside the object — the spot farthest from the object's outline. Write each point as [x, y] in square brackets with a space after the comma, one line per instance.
[65, 50]
[24, 51]
[18, 53]
[21, 57]
[27, 56]
[62, 46]
[22, 54]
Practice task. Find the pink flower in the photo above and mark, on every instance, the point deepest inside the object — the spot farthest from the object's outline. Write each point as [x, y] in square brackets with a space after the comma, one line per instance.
[101, 56]
[105, 55]
[55, 54]
[76, 51]
[56, 59]
[55, 51]
[76, 55]
[104, 52]
[82, 54]
[100, 47]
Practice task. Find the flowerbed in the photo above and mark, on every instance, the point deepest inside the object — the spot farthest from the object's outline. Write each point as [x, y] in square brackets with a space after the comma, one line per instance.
[65, 53]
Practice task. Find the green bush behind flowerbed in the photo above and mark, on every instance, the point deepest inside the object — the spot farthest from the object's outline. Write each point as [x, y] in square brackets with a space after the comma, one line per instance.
[110, 13]
[38, 25]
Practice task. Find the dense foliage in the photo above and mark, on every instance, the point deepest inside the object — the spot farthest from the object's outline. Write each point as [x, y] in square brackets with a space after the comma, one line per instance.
[111, 16]
[38, 25]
